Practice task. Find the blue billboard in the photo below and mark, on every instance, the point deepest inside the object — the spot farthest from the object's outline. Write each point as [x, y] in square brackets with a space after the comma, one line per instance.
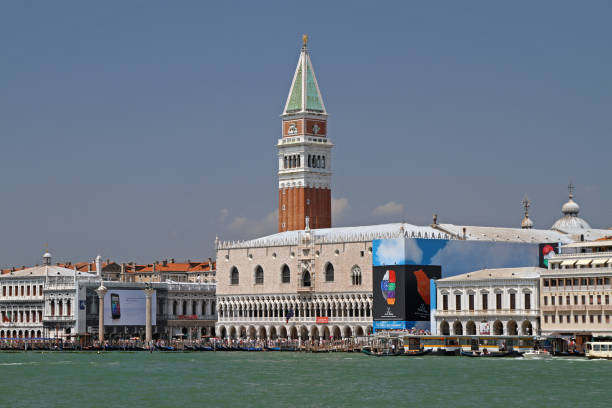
[452, 257]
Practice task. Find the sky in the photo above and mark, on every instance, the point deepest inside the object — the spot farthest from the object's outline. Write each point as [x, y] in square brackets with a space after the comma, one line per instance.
[141, 130]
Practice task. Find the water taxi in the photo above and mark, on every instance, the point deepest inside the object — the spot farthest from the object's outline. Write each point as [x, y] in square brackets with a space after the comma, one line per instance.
[599, 349]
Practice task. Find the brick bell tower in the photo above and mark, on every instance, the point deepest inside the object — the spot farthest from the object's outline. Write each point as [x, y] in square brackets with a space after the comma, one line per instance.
[304, 153]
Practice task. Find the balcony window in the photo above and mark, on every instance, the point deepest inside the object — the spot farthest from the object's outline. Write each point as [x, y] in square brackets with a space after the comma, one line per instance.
[485, 301]
[552, 300]
[444, 302]
[512, 301]
[498, 301]
[527, 301]
[457, 302]
[583, 299]
[545, 300]
[546, 283]
[599, 299]
[471, 302]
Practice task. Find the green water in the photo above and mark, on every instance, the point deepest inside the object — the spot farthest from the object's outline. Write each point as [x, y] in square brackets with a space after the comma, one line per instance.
[209, 379]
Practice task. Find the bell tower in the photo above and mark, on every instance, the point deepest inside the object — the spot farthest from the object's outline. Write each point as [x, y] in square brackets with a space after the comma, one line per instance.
[304, 153]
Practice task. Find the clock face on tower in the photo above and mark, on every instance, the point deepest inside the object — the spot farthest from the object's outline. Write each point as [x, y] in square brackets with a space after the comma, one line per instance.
[315, 129]
[292, 130]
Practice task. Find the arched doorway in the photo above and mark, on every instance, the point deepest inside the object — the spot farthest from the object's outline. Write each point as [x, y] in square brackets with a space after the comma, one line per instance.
[222, 332]
[294, 333]
[273, 334]
[498, 328]
[314, 333]
[512, 328]
[458, 328]
[283, 332]
[263, 335]
[304, 333]
[470, 328]
[326, 333]
[526, 328]
[444, 328]
[359, 332]
[336, 333]
[233, 333]
[252, 333]
[242, 332]
[348, 333]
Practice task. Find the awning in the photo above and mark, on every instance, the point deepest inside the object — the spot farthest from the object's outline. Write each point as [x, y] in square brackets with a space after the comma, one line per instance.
[584, 261]
[600, 261]
[553, 260]
[568, 262]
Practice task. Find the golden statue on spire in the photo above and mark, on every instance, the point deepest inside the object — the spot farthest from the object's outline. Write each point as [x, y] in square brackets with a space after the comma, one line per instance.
[305, 39]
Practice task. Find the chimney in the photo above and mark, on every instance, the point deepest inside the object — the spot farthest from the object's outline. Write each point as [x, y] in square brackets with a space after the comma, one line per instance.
[165, 262]
[435, 219]
[172, 260]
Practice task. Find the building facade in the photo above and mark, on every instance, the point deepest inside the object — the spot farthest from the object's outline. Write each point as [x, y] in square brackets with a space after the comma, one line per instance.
[576, 290]
[489, 302]
[42, 302]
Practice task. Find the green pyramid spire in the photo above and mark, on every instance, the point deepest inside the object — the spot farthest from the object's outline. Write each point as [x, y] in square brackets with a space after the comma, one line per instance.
[304, 95]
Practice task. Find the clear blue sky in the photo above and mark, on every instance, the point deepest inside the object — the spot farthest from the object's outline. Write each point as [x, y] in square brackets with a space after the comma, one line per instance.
[140, 130]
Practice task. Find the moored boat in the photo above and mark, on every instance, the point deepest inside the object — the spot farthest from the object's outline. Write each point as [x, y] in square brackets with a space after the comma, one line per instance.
[599, 349]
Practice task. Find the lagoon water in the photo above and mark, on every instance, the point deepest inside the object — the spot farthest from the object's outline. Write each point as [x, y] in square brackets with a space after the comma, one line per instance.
[266, 379]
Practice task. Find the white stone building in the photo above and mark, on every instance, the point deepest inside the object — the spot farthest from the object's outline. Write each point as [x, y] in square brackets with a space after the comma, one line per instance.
[576, 291]
[42, 302]
[489, 301]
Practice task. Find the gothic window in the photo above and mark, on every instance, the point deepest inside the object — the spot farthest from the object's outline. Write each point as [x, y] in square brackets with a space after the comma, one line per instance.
[356, 275]
[234, 276]
[174, 305]
[329, 273]
[285, 162]
[306, 279]
[259, 275]
[298, 160]
[285, 274]
[309, 161]
[323, 164]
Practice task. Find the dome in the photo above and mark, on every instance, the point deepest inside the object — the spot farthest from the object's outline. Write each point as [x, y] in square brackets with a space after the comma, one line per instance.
[570, 222]
[571, 207]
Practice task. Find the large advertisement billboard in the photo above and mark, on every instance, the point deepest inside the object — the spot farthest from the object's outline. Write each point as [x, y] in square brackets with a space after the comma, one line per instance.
[417, 262]
[401, 292]
[127, 308]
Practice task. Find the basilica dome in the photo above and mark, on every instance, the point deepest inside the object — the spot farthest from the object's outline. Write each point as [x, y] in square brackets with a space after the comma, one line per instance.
[570, 222]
